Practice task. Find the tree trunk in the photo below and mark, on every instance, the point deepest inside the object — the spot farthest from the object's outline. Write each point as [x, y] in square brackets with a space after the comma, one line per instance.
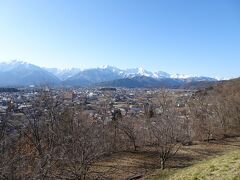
[134, 145]
[162, 163]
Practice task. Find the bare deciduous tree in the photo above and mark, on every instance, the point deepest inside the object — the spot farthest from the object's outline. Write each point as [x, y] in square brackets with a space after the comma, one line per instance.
[130, 128]
[165, 129]
[205, 124]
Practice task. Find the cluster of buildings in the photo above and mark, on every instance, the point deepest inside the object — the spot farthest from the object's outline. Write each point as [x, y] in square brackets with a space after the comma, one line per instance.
[98, 103]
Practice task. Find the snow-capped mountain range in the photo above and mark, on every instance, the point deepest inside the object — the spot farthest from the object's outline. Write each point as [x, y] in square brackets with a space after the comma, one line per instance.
[128, 73]
[22, 73]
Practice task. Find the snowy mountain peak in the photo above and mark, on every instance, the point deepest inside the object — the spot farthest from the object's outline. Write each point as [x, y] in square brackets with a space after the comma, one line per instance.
[105, 67]
[141, 70]
[18, 62]
[179, 76]
[14, 62]
[137, 72]
[63, 74]
[20, 73]
[111, 68]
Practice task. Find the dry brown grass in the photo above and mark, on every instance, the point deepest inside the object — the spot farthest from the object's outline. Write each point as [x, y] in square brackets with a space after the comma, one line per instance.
[144, 162]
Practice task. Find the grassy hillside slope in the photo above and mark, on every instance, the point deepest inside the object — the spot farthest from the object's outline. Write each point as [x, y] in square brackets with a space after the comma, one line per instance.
[225, 167]
[222, 167]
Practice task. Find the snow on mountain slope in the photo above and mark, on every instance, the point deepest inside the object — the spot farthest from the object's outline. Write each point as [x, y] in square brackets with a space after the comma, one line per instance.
[18, 73]
[22, 73]
[63, 74]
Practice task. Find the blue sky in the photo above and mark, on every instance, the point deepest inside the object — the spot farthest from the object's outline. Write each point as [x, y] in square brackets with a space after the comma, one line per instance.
[196, 37]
